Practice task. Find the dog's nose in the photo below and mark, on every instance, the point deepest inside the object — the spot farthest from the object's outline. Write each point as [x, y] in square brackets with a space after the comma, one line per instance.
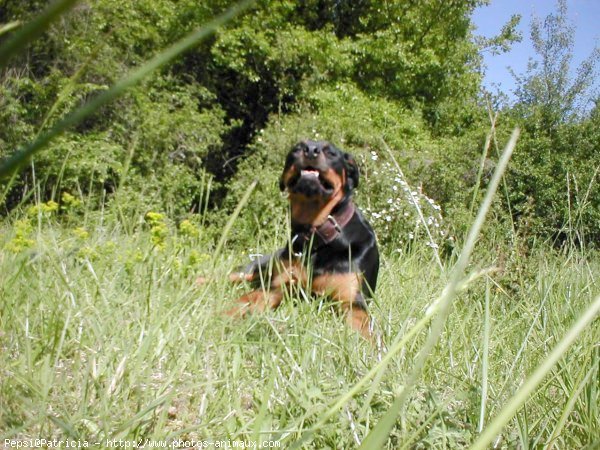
[311, 151]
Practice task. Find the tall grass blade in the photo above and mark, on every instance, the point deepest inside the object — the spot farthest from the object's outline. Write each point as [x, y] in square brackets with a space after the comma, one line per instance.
[264, 409]
[232, 219]
[68, 88]
[23, 154]
[485, 357]
[32, 29]
[492, 117]
[517, 400]
[485, 151]
[9, 27]
[379, 434]
[124, 428]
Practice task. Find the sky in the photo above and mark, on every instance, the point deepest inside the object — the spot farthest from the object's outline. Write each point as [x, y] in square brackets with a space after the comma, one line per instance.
[584, 15]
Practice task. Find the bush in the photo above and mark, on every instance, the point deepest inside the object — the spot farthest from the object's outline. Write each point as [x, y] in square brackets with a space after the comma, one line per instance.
[553, 183]
[152, 145]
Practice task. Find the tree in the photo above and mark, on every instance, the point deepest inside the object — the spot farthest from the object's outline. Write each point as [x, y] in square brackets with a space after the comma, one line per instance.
[547, 92]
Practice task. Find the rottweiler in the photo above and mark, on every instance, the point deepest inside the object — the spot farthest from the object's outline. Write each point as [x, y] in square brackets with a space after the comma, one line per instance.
[332, 250]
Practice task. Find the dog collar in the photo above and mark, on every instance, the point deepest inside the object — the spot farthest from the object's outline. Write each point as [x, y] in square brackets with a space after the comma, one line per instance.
[332, 227]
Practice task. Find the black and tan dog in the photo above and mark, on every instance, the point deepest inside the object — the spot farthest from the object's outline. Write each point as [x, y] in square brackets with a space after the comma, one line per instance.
[332, 250]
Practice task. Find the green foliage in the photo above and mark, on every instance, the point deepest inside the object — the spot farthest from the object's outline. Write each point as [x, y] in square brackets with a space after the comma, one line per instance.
[16, 112]
[155, 148]
[282, 62]
[21, 239]
[169, 134]
[76, 117]
[553, 181]
[509, 34]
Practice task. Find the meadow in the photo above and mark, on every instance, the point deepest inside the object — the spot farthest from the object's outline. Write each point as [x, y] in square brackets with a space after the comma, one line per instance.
[106, 336]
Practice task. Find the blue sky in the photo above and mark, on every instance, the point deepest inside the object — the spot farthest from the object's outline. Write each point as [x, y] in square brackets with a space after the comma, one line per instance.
[584, 15]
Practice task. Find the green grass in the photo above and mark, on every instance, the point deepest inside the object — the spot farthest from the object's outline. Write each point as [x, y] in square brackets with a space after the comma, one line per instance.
[105, 336]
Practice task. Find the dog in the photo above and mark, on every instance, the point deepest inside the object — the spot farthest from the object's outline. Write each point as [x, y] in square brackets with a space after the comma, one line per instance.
[332, 249]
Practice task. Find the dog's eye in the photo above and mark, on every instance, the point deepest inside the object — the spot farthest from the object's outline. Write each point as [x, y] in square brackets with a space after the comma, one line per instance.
[329, 151]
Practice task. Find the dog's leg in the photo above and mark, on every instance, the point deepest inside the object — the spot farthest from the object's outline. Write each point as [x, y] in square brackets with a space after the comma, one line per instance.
[261, 267]
[256, 301]
[234, 277]
[357, 317]
[345, 289]
[241, 276]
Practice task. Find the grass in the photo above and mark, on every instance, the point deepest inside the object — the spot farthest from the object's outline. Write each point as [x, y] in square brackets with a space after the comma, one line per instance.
[105, 336]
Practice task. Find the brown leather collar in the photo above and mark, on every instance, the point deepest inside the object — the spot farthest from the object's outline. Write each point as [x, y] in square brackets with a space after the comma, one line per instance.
[332, 227]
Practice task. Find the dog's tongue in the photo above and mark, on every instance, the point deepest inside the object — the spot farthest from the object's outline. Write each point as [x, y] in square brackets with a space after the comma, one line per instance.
[309, 173]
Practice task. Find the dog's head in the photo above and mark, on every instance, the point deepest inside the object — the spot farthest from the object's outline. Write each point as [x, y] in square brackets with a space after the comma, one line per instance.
[317, 176]
[318, 168]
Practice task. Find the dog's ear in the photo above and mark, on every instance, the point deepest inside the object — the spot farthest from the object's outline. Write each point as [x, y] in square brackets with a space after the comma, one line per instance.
[351, 171]
[284, 178]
